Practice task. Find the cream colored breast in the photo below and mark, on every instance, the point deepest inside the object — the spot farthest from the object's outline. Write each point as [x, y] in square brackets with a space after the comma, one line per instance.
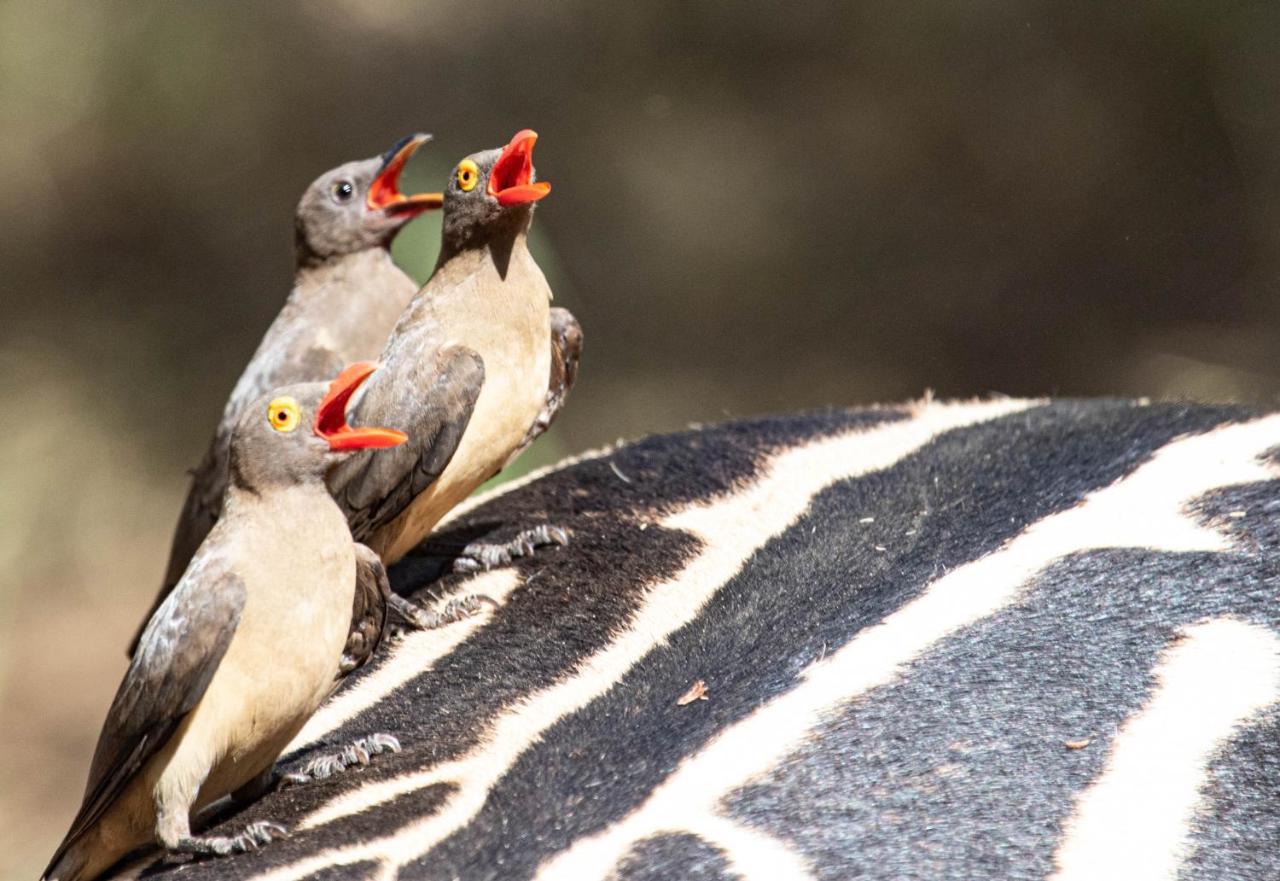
[299, 572]
[508, 323]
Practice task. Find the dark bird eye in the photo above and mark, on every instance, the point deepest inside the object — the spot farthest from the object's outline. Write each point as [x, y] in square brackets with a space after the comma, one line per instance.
[343, 191]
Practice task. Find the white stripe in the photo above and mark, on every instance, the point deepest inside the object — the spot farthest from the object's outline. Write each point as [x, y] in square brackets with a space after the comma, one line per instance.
[732, 528]
[752, 854]
[1143, 510]
[1133, 823]
[411, 656]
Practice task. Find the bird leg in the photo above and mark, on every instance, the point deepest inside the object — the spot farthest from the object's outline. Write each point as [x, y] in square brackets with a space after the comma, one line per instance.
[254, 836]
[358, 752]
[426, 619]
[566, 350]
[173, 829]
[479, 555]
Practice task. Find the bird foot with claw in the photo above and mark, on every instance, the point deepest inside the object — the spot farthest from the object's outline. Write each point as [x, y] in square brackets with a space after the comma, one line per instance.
[359, 752]
[482, 556]
[253, 837]
[427, 619]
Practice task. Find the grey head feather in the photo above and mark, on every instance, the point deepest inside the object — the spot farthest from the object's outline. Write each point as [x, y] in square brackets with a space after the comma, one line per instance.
[263, 455]
[333, 218]
[332, 221]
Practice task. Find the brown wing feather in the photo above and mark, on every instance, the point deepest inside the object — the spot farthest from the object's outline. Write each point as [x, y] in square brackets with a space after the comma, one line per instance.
[177, 656]
[433, 407]
[566, 351]
[368, 613]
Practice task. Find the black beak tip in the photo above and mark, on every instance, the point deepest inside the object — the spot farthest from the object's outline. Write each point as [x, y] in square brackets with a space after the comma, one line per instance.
[421, 137]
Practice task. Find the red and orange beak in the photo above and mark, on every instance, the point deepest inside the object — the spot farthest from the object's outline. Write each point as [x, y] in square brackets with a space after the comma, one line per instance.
[384, 192]
[510, 180]
[331, 415]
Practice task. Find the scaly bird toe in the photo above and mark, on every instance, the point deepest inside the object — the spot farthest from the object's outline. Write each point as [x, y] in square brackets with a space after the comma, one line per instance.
[254, 836]
[483, 556]
[455, 610]
[358, 752]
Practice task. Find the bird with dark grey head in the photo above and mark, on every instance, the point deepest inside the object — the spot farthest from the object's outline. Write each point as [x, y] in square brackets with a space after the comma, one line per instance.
[243, 650]
[346, 297]
[475, 369]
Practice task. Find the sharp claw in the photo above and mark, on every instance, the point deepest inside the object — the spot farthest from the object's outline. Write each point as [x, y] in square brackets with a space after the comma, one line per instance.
[251, 838]
[479, 556]
[359, 752]
[465, 564]
[380, 743]
[263, 832]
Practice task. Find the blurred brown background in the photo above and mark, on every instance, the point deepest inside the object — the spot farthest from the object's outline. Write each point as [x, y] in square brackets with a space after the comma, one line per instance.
[757, 206]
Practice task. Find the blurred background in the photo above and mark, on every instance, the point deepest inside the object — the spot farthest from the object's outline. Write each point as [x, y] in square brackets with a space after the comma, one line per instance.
[757, 207]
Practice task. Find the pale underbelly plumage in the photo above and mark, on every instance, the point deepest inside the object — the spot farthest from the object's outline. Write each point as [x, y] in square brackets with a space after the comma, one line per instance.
[517, 365]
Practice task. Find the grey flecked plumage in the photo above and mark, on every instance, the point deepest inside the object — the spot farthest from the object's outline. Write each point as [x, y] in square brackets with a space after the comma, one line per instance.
[177, 655]
[369, 611]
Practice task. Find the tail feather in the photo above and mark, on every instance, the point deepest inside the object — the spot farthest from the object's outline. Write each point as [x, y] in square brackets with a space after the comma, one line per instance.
[81, 858]
[68, 864]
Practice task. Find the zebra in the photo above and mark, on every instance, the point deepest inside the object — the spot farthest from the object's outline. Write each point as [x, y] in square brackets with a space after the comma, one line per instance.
[989, 639]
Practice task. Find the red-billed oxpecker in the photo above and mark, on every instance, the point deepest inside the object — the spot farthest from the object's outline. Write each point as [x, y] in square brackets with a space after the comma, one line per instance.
[346, 297]
[476, 368]
[243, 650]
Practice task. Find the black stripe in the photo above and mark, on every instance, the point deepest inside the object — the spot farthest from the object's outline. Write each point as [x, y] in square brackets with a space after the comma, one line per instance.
[668, 857]
[1238, 833]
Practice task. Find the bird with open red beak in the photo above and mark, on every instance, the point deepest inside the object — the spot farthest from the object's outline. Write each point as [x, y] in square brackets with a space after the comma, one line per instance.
[347, 295]
[494, 359]
[245, 647]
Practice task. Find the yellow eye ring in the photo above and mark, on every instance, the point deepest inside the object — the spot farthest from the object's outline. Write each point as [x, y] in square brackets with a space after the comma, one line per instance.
[283, 414]
[468, 175]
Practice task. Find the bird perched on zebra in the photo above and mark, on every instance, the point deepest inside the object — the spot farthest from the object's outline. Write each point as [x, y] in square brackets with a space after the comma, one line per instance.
[476, 368]
[1003, 639]
[346, 297]
[245, 647]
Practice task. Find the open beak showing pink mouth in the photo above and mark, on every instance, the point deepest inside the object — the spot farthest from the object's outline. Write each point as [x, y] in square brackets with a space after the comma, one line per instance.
[509, 182]
[331, 415]
[384, 192]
